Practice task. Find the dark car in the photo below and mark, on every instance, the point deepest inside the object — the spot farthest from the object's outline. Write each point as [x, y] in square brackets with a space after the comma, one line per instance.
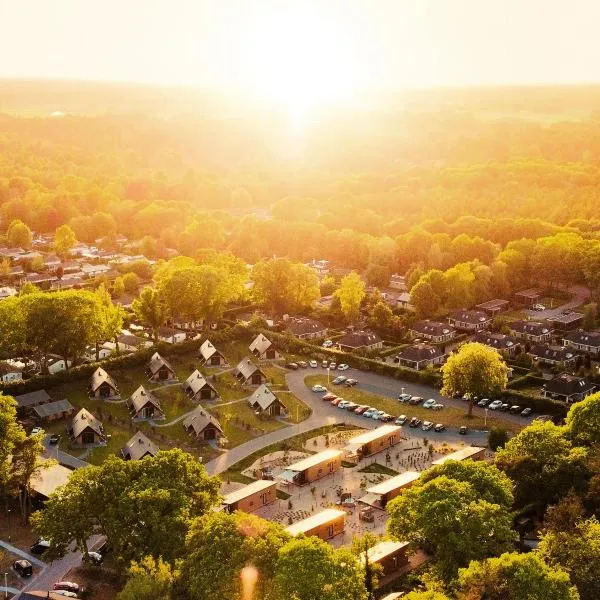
[302, 364]
[415, 400]
[23, 568]
[526, 412]
[293, 366]
[515, 409]
[387, 418]
[54, 438]
[350, 382]
[504, 407]
[40, 547]
[463, 430]
[414, 422]
[401, 420]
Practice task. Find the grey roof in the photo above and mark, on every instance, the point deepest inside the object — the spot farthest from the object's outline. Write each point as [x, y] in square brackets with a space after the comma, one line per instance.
[420, 352]
[473, 317]
[263, 397]
[156, 362]
[83, 419]
[32, 398]
[132, 340]
[304, 326]
[546, 352]
[529, 327]
[531, 293]
[499, 341]
[207, 350]
[195, 382]
[53, 408]
[138, 446]
[261, 344]
[588, 338]
[100, 376]
[199, 420]
[246, 368]
[491, 304]
[432, 328]
[168, 332]
[567, 385]
[568, 319]
[359, 339]
[141, 397]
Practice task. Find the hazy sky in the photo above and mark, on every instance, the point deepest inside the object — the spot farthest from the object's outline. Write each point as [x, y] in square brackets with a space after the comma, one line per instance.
[370, 42]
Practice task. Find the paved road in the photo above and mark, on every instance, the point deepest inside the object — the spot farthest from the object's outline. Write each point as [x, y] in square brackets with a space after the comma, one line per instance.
[579, 295]
[14, 550]
[63, 458]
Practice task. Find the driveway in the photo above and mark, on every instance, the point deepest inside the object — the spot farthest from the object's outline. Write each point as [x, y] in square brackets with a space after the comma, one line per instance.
[61, 457]
[579, 295]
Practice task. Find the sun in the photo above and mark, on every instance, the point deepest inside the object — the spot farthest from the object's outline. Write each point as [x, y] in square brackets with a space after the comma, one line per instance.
[299, 61]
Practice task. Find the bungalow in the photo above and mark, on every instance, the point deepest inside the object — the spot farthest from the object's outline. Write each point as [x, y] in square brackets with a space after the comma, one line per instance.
[44, 482]
[210, 356]
[552, 355]
[320, 267]
[360, 340]
[263, 400]
[138, 447]
[170, 335]
[505, 344]
[374, 441]
[53, 411]
[391, 556]
[494, 307]
[434, 331]
[95, 270]
[380, 494]
[313, 468]
[203, 425]
[528, 297]
[470, 320]
[566, 322]
[104, 351]
[398, 282]
[251, 497]
[67, 283]
[132, 343]
[584, 341]
[11, 253]
[326, 524]
[306, 329]
[420, 356]
[31, 399]
[51, 262]
[159, 369]
[86, 429]
[248, 373]
[41, 280]
[263, 348]
[468, 452]
[404, 301]
[69, 266]
[568, 388]
[533, 331]
[197, 388]
[9, 374]
[102, 385]
[55, 364]
[144, 405]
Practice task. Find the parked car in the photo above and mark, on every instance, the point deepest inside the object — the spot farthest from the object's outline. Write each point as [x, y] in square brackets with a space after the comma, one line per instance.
[429, 403]
[319, 389]
[329, 396]
[351, 382]
[339, 380]
[539, 307]
[40, 547]
[377, 416]
[369, 412]
[66, 593]
[515, 409]
[352, 406]
[36, 430]
[414, 422]
[23, 567]
[463, 430]
[66, 586]
[54, 438]
[466, 397]
[495, 405]
[327, 344]
[387, 418]
[332, 366]
[404, 397]
[302, 364]
[336, 401]
[437, 406]
[359, 410]
[427, 425]
[343, 404]
[293, 366]
[504, 407]
[483, 402]
[401, 420]
[313, 364]
[94, 558]
[415, 400]
[439, 427]
[324, 364]
[343, 367]
[526, 411]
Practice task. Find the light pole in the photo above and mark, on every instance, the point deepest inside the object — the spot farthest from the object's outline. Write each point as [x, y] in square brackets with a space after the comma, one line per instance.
[6, 585]
[9, 525]
[485, 417]
[328, 374]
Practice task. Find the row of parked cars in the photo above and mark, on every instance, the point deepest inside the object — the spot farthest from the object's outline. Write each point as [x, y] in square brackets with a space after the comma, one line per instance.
[313, 364]
[515, 409]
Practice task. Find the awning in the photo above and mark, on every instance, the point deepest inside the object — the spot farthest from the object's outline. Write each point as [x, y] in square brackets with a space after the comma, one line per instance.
[371, 500]
[287, 476]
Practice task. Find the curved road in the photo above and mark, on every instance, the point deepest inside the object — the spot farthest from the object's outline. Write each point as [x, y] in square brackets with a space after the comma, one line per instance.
[579, 295]
[325, 414]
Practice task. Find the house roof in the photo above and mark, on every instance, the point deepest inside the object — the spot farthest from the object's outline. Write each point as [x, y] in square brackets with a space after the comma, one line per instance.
[168, 332]
[264, 397]
[199, 420]
[461, 454]
[314, 460]
[196, 382]
[499, 341]
[141, 397]
[131, 340]
[100, 376]
[260, 343]
[40, 278]
[529, 327]
[384, 549]
[568, 319]
[32, 398]
[47, 480]
[303, 326]
[359, 339]
[473, 317]
[52, 408]
[567, 385]
[530, 293]
[433, 328]
[7, 292]
[374, 434]
[248, 490]
[321, 518]
[588, 338]
[420, 352]
[156, 362]
[84, 419]
[556, 353]
[492, 304]
[5, 369]
[138, 446]
[389, 485]
[246, 368]
[207, 350]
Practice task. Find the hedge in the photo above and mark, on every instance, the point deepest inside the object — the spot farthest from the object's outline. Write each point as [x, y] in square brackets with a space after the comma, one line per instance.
[538, 403]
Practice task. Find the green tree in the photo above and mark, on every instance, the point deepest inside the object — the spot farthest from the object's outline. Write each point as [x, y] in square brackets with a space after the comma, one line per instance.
[424, 299]
[12, 326]
[361, 546]
[476, 370]
[149, 579]
[497, 438]
[377, 275]
[590, 316]
[583, 420]
[514, 576]
[118, 287]
[578, 553]
[109, 319]
[380, 316]
[150, 310]
[351, 294]
[426, 595]
[328, 286]
[19, 235]
[309, 568]
[64, 240]
[11, 434]
[131, 283]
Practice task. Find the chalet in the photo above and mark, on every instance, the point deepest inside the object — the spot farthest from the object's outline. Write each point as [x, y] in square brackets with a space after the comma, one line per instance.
[568, 388]
[433, 331]
[398, 282]
[552, 355]
[86, 429]
[170, 335]
[53, 411]
[320, 267]
[55, 364]
[583, 341]
[379, 495]
[197, 388]
[67, 283]
[251, 497]
[263, 400]
[533, 331]
[138, 447]
[505, 344]
[9, 374]
[203, 425]
[102, 385]
[404, 301]
[210, 356]
[420, 356]
[470, 320]
[306, 329]
[374, 441]
[132, 343]
[31, 399]
[392, 558]
[159, 369]
[95, 270]
[313, 468]
[494, 307]
[468, 452]
[104, 351]
[7, 292]
[263, 348]
[326, 524]
[566, 322]
[528, 297]
[44, 482]
[42, 280]
[360, 340]
[248, 373]
[144, 405]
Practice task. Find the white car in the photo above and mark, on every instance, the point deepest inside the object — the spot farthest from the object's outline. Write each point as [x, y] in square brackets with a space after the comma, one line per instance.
[343, 404]
[327, 344]
[36, 430]
[437, 406]
[495, 405]
[539, 307]
[343, 367]
[377, 416]
[313, 364]
[318, 389]
[332, 366]
[427, 425]
[429, 403]
[404, 397]
[65, 593]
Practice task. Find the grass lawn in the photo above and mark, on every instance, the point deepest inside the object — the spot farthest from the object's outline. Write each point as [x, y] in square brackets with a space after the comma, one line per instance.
[275, 375]
[298, 411]
[174, 401]
[229, 387]
[450, 416]
[119, 437]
